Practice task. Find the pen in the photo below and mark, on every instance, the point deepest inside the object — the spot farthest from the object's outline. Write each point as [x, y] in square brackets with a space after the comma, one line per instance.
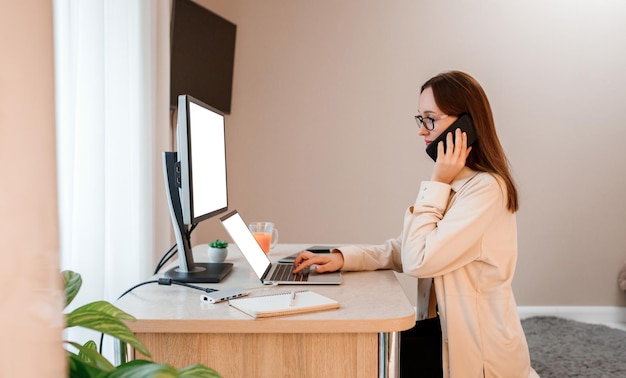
[292, 300]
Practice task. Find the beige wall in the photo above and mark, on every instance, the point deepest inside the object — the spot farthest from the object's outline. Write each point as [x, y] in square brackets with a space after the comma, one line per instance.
[322, 138]
[31, 302]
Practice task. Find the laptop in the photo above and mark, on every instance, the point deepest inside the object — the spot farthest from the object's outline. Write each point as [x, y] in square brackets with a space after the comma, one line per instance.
[267, 272]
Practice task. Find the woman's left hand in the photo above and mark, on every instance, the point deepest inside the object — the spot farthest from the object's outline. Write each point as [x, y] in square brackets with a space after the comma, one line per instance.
[450, 163]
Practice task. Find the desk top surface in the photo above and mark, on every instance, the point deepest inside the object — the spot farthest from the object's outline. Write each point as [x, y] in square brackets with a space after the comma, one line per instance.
[369, 302]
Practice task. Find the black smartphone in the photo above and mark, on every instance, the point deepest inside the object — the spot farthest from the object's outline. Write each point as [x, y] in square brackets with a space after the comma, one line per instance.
[464, 122]
[314, 249]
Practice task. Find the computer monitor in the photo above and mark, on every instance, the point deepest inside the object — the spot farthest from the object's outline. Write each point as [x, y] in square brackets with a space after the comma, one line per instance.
[195, 179]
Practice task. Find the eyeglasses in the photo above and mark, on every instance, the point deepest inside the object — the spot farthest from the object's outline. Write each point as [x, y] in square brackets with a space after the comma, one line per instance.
[428, 122]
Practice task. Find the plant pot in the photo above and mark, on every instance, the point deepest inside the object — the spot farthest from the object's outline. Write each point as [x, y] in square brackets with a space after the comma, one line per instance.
[217, 254]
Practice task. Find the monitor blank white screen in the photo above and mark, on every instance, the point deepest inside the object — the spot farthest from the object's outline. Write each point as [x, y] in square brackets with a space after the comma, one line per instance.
[208, 160]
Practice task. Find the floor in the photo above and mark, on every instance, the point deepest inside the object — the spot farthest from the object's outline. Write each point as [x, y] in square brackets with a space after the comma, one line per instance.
[621, 326]
[614, 317]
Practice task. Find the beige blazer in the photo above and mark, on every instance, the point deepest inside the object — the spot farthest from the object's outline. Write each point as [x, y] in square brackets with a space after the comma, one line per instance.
[463, 237]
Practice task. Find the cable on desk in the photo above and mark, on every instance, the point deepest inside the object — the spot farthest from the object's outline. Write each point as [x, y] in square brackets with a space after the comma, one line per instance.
[160, 281]
[136, 286]
[173, 250]
[169, 282]
[166, 257]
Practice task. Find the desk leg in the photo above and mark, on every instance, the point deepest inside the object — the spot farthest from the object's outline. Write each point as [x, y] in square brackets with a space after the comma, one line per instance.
[389, 354]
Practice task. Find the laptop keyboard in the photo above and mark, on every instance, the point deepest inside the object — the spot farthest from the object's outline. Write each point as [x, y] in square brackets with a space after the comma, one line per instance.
[283, 273]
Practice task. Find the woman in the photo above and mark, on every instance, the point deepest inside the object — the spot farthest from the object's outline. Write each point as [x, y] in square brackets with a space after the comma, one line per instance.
[460, 235]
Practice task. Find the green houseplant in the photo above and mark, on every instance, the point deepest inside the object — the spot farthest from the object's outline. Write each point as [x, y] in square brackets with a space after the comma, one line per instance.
[218, 250]
[103, 317]
[218, 244]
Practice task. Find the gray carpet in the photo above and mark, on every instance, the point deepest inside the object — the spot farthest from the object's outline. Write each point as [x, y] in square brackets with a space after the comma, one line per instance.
[566, 348]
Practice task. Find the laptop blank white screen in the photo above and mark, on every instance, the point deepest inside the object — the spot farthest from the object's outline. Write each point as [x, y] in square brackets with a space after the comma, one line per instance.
[238, 230]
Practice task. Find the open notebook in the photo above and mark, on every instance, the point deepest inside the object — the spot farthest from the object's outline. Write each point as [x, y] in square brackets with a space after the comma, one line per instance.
[267, 272]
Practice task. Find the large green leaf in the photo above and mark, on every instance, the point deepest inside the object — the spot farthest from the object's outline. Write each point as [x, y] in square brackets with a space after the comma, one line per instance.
[198, 371]
[106, 308]
[105, 323]
[89, 355]
[73, 281]
[89, 352]
[78, 368]
[144, 369]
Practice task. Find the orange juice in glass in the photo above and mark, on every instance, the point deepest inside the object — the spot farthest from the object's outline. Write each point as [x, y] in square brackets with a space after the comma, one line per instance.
[265, 234]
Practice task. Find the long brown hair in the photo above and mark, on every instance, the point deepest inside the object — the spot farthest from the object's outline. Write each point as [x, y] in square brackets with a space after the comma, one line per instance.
[458, 93]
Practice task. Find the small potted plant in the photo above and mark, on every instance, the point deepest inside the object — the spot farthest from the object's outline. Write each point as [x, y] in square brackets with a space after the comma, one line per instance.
[218, 249]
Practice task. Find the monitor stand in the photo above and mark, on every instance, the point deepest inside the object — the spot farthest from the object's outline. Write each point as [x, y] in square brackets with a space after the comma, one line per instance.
[187, 270]
[202, 273]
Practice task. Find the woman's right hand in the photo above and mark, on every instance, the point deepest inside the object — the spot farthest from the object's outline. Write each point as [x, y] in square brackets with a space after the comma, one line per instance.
[325, 262]
[450, 163]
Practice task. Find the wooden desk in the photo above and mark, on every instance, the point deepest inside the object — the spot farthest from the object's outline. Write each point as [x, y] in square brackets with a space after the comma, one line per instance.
[360, 339]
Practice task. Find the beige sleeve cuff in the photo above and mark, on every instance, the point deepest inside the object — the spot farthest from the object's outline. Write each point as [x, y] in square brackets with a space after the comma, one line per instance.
[351, 257]
[433, 194]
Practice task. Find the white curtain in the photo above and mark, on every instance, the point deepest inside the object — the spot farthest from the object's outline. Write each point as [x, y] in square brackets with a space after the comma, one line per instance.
[112, 59]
